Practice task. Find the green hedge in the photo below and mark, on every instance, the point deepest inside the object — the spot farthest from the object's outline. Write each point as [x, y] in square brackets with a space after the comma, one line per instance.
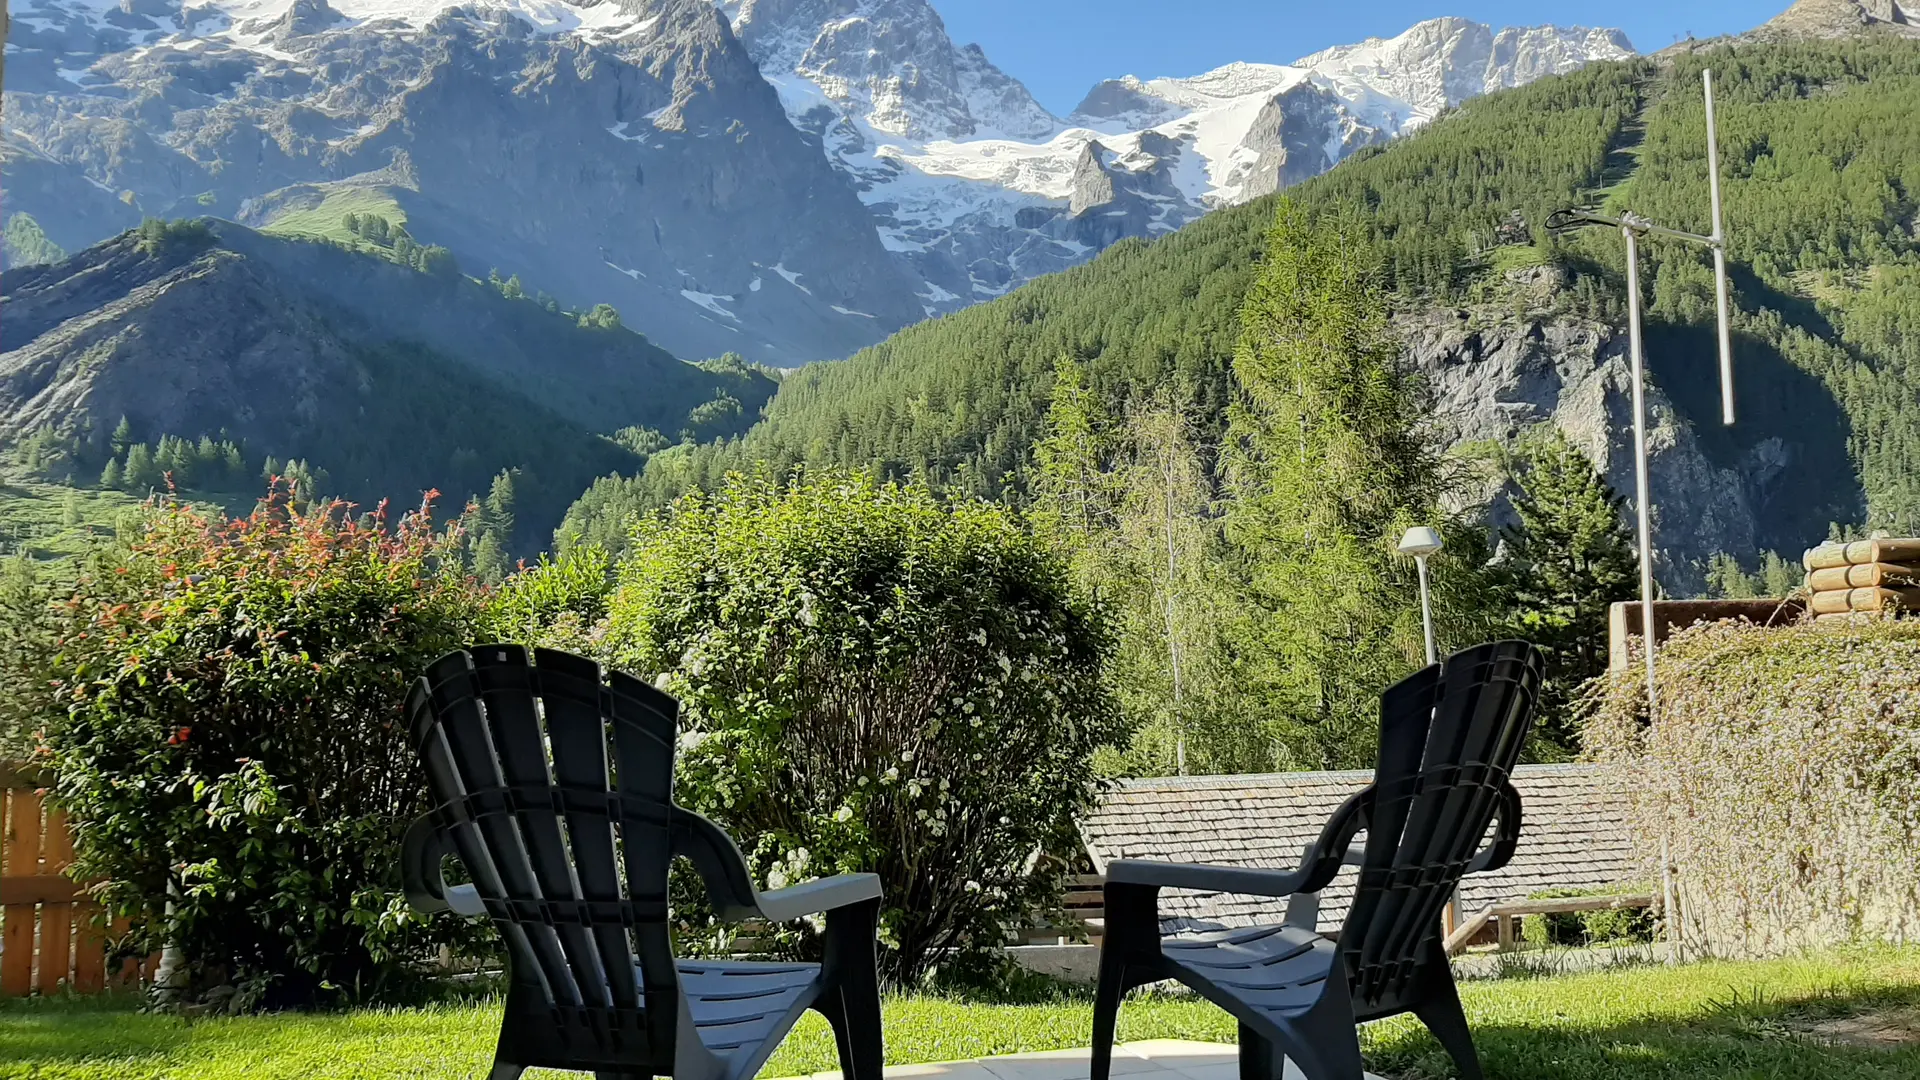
[1783, 774]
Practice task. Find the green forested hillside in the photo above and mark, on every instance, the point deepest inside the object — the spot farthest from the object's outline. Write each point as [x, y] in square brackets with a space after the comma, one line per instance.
[960, 398]
[1821, 144]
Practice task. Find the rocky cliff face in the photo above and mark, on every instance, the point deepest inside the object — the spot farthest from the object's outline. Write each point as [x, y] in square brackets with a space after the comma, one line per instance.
[978, 188]
[1840, 18]
[628, 153]
[1495, 376]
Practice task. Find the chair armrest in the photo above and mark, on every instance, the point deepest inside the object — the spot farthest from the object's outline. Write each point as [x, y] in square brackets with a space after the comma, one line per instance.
[814, 897]
[1318, 865]
[1303, 908]
[719, 863]
[421, 851]
[1506, 838]
[1226, 879]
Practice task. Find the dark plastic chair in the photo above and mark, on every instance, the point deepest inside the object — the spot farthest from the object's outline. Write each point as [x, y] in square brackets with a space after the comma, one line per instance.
[1449, 738]
[554, 787]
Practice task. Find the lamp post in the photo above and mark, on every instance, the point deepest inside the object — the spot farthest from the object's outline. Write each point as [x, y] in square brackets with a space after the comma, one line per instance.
[1421, 542]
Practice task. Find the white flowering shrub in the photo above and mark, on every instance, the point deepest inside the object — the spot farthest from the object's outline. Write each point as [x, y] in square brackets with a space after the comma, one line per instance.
[1783, 773]
[875, 681]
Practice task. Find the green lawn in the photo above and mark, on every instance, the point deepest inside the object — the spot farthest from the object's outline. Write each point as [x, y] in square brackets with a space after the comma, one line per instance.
[1751, 1021]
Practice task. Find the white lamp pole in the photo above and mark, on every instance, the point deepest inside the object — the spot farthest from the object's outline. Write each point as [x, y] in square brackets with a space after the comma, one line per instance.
[1420, 543]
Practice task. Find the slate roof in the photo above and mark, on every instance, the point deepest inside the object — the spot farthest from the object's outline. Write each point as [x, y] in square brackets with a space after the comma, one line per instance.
[1573, 836]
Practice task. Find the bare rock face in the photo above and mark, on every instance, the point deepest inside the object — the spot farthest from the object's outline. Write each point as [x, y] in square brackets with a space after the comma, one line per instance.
[1495, 377]
[1840, 18]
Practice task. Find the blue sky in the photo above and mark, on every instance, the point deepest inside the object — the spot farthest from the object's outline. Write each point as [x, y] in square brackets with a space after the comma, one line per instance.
[1060, 48]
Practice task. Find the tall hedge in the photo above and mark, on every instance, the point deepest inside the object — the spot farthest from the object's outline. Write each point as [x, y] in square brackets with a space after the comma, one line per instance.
[1783, 774]
[223, 716]
[875, 681]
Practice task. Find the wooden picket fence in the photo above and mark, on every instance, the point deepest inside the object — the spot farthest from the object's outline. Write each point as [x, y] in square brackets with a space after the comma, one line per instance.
[49, 932]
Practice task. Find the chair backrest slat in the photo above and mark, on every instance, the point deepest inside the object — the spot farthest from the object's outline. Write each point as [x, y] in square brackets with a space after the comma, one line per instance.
[576, 733]
[492, 850]
[508, 692]
[1449, 739]
[644, 734]
[557, 785]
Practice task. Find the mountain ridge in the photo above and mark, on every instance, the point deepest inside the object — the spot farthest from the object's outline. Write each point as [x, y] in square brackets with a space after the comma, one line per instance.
[390, 379]
[788, 179]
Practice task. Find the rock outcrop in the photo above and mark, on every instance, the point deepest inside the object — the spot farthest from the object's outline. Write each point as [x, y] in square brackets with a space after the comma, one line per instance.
[1495, 377]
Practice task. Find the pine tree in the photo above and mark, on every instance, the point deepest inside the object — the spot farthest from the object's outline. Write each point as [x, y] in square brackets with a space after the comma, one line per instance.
[235, 467]
[110, 476]
[499, 507]
[122, 438]
[1570, 557]
[511, 288]
[1073, 489]
[1326, 464]
[141, 473]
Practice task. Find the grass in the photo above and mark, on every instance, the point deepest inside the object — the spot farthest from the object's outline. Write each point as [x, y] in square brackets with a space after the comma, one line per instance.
[48, 521]
[1518, 257]
[53, 521]
[1752, 1021]
[326, 219]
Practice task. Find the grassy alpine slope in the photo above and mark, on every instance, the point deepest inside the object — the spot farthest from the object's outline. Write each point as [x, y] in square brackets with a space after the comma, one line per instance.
[1821, 143]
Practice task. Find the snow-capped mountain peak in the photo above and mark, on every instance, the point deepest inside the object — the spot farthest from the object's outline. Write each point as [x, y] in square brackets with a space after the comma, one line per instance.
[886, 65]
[1401, 82]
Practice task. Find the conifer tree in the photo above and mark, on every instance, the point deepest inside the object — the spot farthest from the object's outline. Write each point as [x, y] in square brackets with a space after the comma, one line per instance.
[1570, 556]
[141, 473]
[236, 467]
[1073, 488]
[1326, 463]
[122, 437]
[110, 476]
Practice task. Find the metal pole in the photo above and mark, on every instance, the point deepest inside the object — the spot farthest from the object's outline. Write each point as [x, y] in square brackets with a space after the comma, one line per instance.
[1719, 259]
[1641, 485]
[1426, 612]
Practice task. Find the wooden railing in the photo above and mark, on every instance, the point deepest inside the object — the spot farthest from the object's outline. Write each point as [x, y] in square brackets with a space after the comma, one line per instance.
[1509, 914]
[49, 932]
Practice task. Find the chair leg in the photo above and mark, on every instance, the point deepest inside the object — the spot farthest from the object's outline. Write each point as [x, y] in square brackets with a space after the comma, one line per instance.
[852, 1004]
[1259, 1058]
[1106, 1010]
[503, 1070]
[1440, 1010]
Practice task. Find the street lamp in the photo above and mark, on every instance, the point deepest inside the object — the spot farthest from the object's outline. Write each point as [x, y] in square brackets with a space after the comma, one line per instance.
[1421, 542]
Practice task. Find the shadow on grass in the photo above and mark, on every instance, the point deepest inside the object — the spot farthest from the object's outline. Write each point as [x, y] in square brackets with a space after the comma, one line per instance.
[1838, 1034]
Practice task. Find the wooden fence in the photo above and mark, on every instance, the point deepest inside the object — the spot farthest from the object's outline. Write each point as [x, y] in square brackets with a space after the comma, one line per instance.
[49, 932]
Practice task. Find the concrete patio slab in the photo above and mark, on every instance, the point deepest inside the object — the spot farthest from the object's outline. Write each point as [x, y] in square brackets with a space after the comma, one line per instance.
[1154, 1059]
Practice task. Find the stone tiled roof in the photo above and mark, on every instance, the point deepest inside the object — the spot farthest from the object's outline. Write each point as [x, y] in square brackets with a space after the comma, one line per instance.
[1573, 836]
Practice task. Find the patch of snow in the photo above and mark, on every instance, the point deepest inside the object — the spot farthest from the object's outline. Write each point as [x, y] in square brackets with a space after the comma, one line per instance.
[793, 278]
[634, 274]
[848, 311]
[710, 301]
[74, 75]
[619, 131]
[754, 285]
[937, 295]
